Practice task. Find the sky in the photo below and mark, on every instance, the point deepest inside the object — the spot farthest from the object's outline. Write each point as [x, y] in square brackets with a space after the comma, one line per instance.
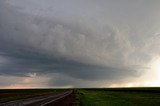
[79, 43]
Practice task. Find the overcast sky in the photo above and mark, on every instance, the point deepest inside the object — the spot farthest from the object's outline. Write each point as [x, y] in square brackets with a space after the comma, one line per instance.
[79, 43]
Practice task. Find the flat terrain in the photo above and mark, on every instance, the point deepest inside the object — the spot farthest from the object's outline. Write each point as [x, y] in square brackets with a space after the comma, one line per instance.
[83, 97]
[16, 94]
[120, 97]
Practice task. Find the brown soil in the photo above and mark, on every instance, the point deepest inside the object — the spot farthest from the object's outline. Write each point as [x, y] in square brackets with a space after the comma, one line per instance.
[26, 93]
[66, 101]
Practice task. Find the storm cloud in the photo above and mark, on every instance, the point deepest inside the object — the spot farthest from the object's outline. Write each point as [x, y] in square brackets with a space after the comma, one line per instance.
[78, 43]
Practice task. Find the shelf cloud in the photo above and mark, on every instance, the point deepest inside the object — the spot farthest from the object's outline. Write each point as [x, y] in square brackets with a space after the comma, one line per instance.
[85, 43]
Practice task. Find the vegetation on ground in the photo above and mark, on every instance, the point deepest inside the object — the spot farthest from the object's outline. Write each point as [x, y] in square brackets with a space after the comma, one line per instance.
[120, 97]
[94, 97]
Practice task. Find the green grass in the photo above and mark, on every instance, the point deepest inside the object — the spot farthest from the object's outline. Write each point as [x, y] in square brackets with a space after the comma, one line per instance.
[98, 97]
[121, 97]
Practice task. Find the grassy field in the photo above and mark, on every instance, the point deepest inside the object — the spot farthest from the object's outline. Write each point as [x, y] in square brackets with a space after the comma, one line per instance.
[120, 97]
[15, 94]
[94, 97]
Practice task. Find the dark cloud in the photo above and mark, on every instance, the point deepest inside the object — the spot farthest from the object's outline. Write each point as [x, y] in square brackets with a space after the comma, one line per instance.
[78, 44]
[23, 62]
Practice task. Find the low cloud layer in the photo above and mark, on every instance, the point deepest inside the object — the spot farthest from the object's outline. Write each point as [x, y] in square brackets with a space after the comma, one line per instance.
[77, 43]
